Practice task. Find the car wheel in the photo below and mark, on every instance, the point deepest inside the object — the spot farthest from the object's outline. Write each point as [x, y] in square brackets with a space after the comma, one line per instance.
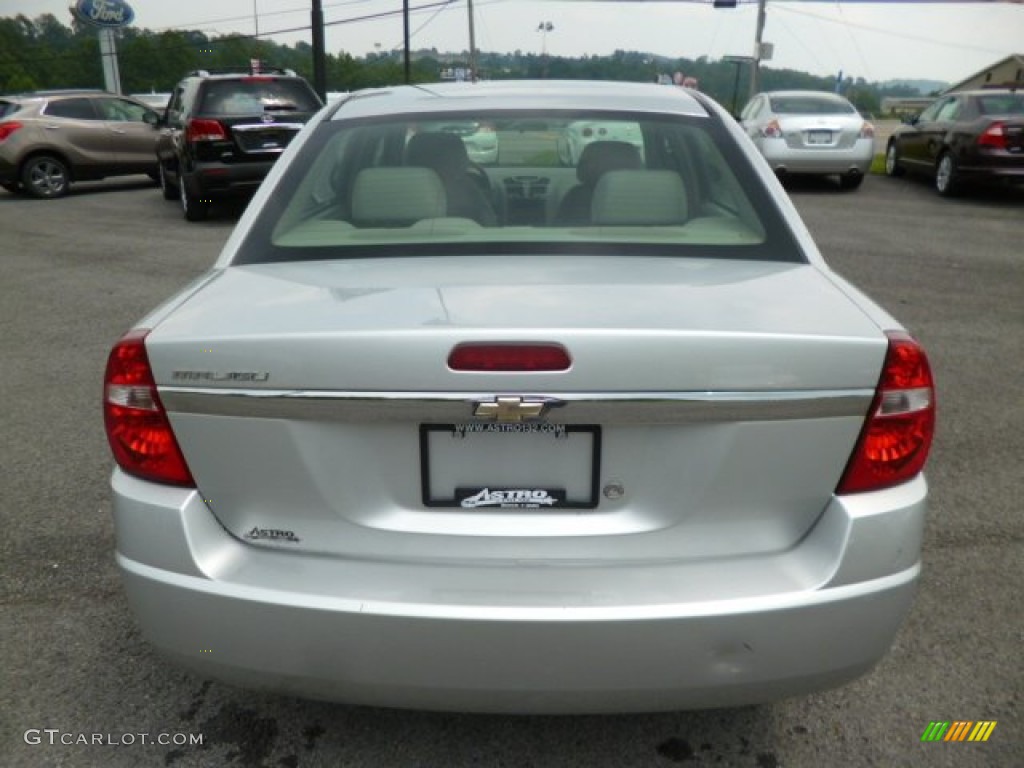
[945, 175]
[169, 192]
[194, 208]
[892, 161]
[45, 176]
[850, 181]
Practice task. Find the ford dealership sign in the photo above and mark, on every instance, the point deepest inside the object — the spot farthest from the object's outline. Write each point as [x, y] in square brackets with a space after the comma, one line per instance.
[105, 13]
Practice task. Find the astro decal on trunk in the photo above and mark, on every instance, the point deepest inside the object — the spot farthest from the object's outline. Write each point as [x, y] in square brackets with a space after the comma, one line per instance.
[509, 498]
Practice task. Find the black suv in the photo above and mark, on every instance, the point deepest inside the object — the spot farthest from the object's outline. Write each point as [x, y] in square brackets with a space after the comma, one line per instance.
[222, 133]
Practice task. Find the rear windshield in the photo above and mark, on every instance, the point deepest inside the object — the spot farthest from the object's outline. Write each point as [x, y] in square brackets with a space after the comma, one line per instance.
[254, 95]
[8, 108]
[506, 183]
[1001, 104]
[811, 105]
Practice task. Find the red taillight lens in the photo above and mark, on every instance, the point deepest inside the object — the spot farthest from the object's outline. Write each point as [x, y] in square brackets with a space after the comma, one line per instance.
[994, 137]
[897, 435]
[6, 129]
[867, 130]
[509, 357]
[138, 430]
[204, 130]
[772, 131]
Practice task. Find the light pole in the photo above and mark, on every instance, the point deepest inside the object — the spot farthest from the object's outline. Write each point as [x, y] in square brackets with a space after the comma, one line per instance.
[544, 27]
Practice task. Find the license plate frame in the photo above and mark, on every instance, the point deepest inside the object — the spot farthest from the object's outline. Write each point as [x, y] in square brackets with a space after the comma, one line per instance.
[562, 501]
[819, 138]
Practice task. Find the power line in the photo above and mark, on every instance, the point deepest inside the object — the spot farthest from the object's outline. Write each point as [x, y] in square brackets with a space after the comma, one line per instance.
[882, 31]
[239, 36]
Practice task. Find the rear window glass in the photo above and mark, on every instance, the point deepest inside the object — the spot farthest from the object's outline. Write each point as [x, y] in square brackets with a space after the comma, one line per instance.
[255, 95]
[1001, 104]
[503, 183]
[8, 108]
[810, 105]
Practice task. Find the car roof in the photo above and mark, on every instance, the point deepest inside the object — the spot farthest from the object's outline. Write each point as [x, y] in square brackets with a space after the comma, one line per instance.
[56, 92]
[799, 92]
[521, 95]
[235, 74]
[983, 92]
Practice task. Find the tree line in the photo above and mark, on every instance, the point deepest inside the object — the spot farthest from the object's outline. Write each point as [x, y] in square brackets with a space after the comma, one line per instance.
[43, 53]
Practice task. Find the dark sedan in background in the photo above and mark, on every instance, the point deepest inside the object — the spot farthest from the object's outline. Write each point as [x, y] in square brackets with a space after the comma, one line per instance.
[962, 138]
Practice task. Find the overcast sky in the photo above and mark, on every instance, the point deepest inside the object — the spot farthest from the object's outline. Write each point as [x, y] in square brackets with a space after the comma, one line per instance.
[873, 40]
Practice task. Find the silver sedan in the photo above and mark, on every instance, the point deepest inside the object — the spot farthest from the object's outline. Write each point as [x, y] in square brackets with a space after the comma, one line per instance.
[415, 441]
[811, 132]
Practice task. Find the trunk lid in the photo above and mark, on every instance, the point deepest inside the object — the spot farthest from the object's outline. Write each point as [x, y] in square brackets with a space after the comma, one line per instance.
[709, 409]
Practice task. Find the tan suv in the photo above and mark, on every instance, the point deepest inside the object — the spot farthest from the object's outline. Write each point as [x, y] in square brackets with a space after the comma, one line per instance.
[49, 139]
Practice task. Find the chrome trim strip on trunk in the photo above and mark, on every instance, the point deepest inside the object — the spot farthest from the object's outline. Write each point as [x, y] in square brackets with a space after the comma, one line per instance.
[567, 408]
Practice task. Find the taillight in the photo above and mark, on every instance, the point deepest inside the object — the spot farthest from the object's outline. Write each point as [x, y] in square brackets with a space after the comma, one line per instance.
[6, 129]
[897, 435]
[994, 136]
[138, 430]
[867, 130]
[204, 130]
[509, 357]
[772, 130]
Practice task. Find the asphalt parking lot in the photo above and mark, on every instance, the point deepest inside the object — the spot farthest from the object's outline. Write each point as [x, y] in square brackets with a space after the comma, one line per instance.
[76, 273]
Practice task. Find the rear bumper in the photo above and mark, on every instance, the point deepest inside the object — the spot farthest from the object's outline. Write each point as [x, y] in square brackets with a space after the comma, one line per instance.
[209, 180]
[1012, 174]
[783, 158]
[510, 637]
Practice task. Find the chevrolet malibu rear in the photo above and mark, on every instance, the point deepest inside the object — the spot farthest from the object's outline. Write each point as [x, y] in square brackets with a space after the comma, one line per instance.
[398, 449]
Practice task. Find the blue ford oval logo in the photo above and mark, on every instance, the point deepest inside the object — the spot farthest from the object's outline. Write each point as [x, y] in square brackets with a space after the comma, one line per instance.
[105, 13]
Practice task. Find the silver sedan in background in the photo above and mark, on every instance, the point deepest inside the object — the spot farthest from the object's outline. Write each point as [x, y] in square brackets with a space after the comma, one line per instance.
[811, 132]
[412, 443]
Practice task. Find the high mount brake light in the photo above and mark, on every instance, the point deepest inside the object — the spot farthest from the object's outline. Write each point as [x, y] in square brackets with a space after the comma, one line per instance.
[137, 426]
[513, 357]
[897, 434]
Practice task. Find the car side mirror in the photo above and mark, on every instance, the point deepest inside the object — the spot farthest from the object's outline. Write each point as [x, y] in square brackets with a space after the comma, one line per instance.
[910, 119]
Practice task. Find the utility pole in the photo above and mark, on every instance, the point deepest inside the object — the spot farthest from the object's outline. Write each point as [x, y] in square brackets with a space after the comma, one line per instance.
[319, 55]
[405, 42]
[755, 75]
[472, 44]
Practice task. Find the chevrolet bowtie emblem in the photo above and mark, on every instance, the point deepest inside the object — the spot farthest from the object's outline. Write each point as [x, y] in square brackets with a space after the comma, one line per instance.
[510, 409]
